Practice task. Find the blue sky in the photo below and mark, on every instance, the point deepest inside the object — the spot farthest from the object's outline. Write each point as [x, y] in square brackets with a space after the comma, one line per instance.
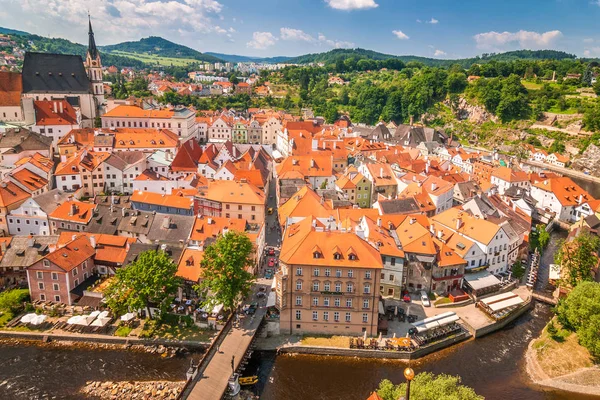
[433, 28]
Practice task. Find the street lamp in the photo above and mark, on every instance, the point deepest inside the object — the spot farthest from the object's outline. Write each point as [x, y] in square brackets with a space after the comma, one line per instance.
[409, 374]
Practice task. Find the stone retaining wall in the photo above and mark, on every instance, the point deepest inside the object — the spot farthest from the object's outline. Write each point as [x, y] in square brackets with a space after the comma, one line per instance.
[367, 353]
[477, 333]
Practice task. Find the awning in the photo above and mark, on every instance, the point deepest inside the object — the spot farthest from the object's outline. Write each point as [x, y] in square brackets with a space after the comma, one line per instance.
[481, 280]
[498, 298]
[271, 299]
[505, 304]
[381, 308]
[127, 317]
[274, 284]
[277, 155]
[217, 309]
[448, 320]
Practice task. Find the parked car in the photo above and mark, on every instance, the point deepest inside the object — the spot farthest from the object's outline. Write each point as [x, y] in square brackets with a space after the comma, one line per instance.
[406, 298]
[271, 251]
[269, 274]
[425, 299]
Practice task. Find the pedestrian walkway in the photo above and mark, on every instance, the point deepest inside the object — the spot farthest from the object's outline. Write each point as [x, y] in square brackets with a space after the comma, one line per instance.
[212, 384]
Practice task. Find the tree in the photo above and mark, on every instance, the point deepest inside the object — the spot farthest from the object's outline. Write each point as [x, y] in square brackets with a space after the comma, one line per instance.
[597, 87]
[456, 82]
[518, 270]
[586, 79]
[577, 258]
[148, 280]
[225, 279]
[580, 312]
[12, 300]
[543, 237]
[234, 79]
[427, 386]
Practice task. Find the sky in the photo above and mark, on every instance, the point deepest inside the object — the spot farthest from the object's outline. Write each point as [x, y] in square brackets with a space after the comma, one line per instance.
[432, 28]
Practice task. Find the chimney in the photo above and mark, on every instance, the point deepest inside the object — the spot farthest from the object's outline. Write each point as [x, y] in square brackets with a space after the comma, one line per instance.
[433, 187]
[381, 172]
[312, 163]
[73, 237]
[30, 241]
[60, 107]
[56, 197]
[122, 212]
[314, 223]
[580, 199]
[73, 209]
[427, 167]
[55, 108]
[458, 223]
[432, 229]
[323, 145]
[440, 234]
[93, 241]
[379, 221]
[166, 223]
[3, 247]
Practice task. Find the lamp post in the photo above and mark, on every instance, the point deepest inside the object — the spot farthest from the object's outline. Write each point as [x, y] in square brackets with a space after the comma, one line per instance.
[409, 374]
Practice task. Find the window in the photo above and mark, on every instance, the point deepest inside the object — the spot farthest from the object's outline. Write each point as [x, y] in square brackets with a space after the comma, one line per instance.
[338, 287]
[349, 288]
[350, 273]
[368, 275]
[42, 297]
[316, 272]
[239, 208]
[326, 286]
[391, 277]
[326, 301]
[298, 300]
[348, 316]
[298, 314]
[336, 302]
[299, 285]
[40, 275]
[367, 288]
[336, 316]
[56, 287]
[54, 276]
[338, 273]
[299, 271]
[366, 303]
[85, 264]
[75, 272]
[315, 286]
[325, 316]
[41, 285]
[315, 315]
[382, 276]
[327, 272]
[315, 301]
[348, 302]
[365, 317]
[46, 263]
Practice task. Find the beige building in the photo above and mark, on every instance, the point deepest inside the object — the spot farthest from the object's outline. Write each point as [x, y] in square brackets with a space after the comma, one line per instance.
[328, 282]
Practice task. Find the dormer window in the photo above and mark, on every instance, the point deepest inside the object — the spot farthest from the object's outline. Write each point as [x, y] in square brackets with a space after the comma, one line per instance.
[46, 263]
[316, 254]
[337, 256]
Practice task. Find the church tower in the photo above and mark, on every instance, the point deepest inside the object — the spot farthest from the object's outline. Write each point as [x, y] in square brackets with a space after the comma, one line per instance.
[93, 67]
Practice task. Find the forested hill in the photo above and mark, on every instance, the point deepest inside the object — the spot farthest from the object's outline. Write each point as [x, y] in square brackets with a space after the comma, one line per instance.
[233, 58]
[155, 45]
[332, 56]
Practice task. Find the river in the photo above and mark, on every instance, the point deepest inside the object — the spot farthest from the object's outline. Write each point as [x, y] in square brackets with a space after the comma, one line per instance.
[36, 371]
[493, 365]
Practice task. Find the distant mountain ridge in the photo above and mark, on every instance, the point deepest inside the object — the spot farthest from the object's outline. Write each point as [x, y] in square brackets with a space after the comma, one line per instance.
[233, 58]
[155, 45]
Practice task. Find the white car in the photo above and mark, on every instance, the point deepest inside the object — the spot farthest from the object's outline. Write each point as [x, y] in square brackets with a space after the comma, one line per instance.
[425, 299]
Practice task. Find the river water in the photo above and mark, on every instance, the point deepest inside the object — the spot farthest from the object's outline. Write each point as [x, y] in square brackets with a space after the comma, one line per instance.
[37, 371]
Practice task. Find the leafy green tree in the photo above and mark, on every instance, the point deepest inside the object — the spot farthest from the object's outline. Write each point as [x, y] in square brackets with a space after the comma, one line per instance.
[225, 278]
[591, 117]
[518, 270]
[12, 300]
[331, 113]
[543, 237]
[233, 79]
[148, 280]
[577, 258]
[586, 79]
[558, 146]
[456, 82]
[597, 87]
[427, 386]
[580, 312]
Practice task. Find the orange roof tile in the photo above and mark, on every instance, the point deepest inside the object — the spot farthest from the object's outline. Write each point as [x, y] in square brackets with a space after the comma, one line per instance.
[124, 111]
[11, 194]
[566, 191]
[45, 114]
[72, 254]
[11, 87]
[211, 227]
[190, 264]
[474, 228]
[30, 180]
[303, 203]
[234, 192]
[74, 211]
[509, 175]
[166, 200]
[147, 138]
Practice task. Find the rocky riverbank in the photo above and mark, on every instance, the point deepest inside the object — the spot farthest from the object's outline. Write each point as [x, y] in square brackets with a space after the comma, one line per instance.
[132, 390]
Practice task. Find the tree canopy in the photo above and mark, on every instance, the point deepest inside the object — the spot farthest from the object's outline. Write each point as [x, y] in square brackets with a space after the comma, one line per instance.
[148, 280]
[225, 279]
[427, 386]
[577, 258]
[580, 312]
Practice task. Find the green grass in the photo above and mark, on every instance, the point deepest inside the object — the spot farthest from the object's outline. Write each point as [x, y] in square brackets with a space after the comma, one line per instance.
[442, 300]
[177, 332]
[153, 59]
[531, 85]
[5, 318]
[123, 331]
[557, 110]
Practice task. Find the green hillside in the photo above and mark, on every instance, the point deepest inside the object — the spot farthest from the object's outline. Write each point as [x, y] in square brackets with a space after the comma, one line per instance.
[337, 54]
[157, 46]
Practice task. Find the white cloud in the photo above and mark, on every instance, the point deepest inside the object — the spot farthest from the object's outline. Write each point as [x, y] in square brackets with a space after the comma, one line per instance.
[525, 39]
[401, 35]
[588, 40]
[592, 52]
[419, 21]
[351, 4]
[439, 53]
[433, 21]
[261, 40]
[117, 20]
[295, 34]
[337, 44]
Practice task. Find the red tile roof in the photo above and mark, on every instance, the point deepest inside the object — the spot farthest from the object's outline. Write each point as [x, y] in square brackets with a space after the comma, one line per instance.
[45, 114]
[11, 87]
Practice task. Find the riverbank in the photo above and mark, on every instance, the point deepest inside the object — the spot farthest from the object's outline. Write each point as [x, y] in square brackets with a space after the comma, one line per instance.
[548, 365]
[132, 390]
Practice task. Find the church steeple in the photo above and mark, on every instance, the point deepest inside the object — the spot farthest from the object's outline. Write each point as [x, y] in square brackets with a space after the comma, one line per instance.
[92, 50]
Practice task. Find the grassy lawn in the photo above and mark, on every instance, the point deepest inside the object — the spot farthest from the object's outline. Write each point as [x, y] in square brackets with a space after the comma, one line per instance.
[178, 332]
[531, 85]
[5, 318]
[551, 351]
[442, 300]
[557, 110]
[123, 331]
[328, 341]
[153, 59]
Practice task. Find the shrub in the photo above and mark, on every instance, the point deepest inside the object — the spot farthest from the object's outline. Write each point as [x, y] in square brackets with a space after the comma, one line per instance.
[12, 300]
